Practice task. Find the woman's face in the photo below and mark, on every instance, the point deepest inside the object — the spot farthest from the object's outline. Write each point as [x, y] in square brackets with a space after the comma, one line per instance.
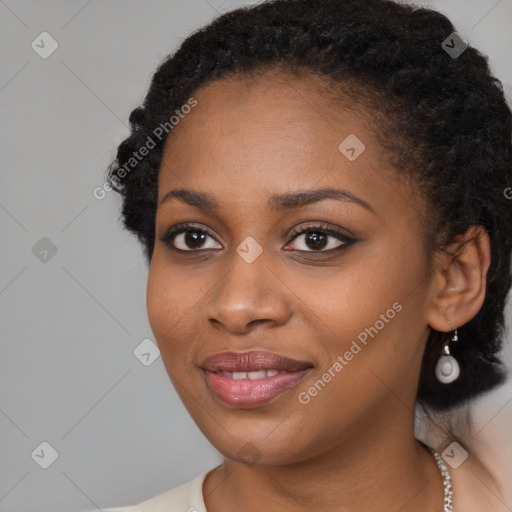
[348, 306]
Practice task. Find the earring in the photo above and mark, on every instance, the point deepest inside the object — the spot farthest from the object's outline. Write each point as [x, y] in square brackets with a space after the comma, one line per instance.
[447, 368]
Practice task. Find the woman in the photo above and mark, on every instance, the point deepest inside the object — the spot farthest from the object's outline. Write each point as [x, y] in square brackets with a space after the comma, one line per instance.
[320, 187]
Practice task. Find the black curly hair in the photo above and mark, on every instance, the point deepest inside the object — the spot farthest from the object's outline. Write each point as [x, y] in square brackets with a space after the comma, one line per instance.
[444, 121]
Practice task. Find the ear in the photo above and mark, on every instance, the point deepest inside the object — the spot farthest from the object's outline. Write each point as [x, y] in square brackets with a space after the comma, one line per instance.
[458, 286]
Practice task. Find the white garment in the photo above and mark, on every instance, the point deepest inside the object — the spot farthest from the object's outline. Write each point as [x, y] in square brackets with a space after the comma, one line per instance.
[187, 497]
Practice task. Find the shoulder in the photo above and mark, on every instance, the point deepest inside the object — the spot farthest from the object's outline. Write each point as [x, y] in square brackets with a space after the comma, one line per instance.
[480, 461]
[187, 497]
[488, 467]
[476, 490]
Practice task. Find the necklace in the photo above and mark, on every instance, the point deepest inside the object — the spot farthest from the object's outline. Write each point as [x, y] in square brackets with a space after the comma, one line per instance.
[447, 481]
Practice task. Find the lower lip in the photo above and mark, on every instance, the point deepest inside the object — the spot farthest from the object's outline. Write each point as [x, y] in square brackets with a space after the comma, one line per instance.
[247, 393]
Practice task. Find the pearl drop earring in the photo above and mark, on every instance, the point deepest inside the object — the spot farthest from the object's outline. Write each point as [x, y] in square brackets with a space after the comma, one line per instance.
[447, 368]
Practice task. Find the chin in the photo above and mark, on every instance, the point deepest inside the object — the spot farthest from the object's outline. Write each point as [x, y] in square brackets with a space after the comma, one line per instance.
[257, 448]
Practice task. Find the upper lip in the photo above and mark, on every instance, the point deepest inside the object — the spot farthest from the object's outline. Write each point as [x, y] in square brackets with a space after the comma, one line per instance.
[254, 360]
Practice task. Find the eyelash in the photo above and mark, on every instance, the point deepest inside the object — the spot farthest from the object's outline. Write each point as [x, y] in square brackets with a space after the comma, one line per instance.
[319, 227]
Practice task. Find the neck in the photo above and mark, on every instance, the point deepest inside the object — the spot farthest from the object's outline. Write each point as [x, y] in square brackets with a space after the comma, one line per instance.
[372, 472]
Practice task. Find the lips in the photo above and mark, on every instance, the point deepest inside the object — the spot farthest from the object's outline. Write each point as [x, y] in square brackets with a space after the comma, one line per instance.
[250, 379]
[252, 362]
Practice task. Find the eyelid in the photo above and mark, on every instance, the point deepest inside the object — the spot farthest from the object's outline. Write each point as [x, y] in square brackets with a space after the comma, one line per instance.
[169, 236]
[325, 227]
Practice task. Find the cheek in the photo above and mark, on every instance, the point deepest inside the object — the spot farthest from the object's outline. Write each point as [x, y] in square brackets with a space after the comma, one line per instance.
[374, 303]
[157, 300]
[174, 297]
[166, 308]
[170, 295]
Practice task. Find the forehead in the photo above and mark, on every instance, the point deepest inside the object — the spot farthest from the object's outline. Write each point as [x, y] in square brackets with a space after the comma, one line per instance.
[249, 138]
[261, 122]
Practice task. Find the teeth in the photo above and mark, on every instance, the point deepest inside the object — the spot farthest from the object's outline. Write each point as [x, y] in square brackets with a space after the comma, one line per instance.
[255, 375]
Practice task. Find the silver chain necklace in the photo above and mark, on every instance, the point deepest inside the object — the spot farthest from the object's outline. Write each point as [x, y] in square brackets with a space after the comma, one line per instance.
[447, 481]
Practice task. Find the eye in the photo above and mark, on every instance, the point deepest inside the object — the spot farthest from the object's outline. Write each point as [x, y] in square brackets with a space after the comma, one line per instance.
[190, 238]
[187, 238]
[316, 238]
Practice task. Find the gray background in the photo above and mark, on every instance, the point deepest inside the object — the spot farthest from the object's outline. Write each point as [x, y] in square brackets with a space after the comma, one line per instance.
[69, 326]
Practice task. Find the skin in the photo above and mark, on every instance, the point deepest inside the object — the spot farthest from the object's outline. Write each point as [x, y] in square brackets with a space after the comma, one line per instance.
[352, 447]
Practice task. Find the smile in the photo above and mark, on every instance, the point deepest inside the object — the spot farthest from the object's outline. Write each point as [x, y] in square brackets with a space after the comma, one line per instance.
[252, 389]
[255, 375]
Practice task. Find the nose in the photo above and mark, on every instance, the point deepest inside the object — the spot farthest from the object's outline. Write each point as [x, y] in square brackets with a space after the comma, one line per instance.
[249, 294]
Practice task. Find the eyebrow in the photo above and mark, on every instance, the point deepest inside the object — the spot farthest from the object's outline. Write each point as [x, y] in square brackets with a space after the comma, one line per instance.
[277, 202]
